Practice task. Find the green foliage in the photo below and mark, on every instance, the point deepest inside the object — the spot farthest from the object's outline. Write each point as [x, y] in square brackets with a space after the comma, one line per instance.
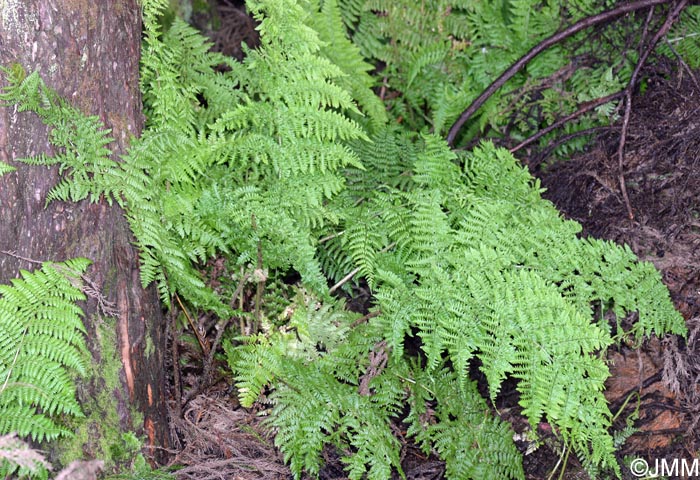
[141, 470]
[473, 443]
[287, 159]
[5, 168]
[336, 383]
[337, 47]
[81, 137]
[479, 267]
[439, 55]
[319, 358]
[42, 347]
[684, 39]
[228, 162]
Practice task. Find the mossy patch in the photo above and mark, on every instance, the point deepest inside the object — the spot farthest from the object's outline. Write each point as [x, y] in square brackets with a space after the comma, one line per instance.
[105, 431]
[150, 347]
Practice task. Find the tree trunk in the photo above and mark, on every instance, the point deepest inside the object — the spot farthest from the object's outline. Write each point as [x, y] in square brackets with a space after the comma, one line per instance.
[89, 52]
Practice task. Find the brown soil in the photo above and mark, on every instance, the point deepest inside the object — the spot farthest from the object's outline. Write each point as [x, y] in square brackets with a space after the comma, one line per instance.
[219, 440]
[662, 153]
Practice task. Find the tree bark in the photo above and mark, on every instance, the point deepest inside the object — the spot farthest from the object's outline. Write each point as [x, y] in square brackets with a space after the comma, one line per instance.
[89, 53]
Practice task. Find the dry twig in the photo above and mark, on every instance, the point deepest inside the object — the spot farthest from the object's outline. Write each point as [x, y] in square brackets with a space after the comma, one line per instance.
[673, 14]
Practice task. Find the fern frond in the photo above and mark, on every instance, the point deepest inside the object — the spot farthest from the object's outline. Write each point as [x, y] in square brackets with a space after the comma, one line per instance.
[5, 168]
[327, 20]
[41, 341]
[315, 374]
[461, 429]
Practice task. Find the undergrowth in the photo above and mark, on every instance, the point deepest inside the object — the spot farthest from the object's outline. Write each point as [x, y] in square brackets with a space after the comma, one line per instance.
[289, 162]
[42, 346]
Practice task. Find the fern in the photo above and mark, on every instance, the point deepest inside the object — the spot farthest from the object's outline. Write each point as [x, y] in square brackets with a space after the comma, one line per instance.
[437, 56]
[287, 159]
[318, 400]
[327, 20]
[479, 267]
[209, 136]
[511, 284]
[460, 428]
[41, 347]
[84, 160]
[683, 39]
[5, 168]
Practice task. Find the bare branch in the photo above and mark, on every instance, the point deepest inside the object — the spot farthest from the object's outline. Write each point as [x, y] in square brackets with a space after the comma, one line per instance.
[586, 107]
[539, 48]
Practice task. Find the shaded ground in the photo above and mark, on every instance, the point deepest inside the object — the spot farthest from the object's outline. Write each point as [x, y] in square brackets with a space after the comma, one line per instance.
[219, 440]
[660, 171]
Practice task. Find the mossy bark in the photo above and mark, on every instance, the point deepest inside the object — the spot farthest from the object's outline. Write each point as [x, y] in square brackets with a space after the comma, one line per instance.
[89, 53]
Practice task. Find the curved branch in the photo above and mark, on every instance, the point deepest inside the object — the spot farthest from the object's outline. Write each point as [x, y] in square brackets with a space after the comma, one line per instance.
[586, 107]
[539, 48]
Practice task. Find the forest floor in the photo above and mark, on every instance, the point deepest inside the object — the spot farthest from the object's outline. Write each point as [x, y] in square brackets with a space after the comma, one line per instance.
[656, 386]
[662, 155]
